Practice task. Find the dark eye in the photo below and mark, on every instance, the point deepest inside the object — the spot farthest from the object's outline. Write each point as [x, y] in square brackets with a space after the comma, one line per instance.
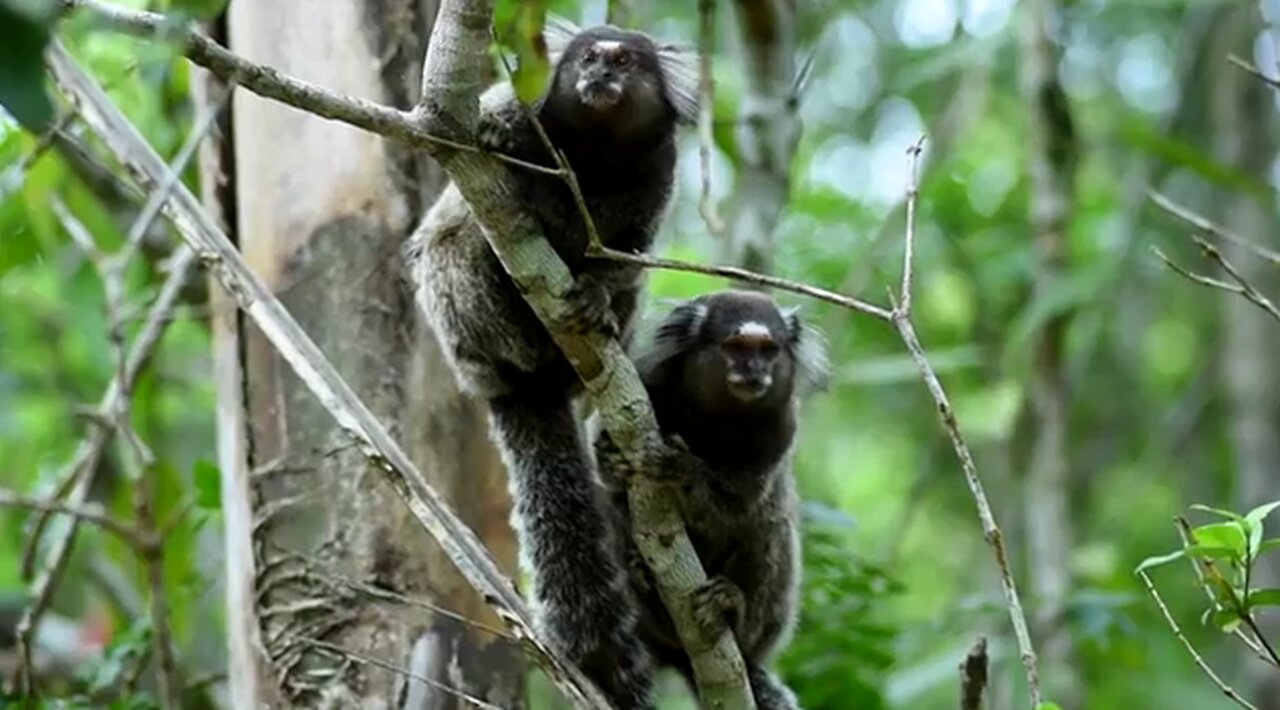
[769, 350]
[622, 61]
[590, 55]
[733, 348]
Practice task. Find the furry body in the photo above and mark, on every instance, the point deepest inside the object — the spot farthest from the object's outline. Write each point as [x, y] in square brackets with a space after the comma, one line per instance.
[612, 109]
[723, 378]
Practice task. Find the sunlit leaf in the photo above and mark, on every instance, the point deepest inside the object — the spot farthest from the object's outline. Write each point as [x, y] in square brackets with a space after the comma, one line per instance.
[1222, 535]
[1264, 597]
[1260, 513]
[1268, 545]
[1048, 706]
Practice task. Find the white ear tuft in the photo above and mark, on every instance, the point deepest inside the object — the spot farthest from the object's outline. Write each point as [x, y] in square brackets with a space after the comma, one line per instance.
[680, 75]
[557, 32]
[813, 361]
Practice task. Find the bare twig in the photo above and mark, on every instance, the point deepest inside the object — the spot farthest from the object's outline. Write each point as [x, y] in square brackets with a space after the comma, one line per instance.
[132, 536]
[261, 305]
[562, 166]
[733, 272]
[973, 676]
[1241, 287]
[1249, 67]
[706, 114]
[1204, 224]
[1195, 655]
[371, 661]
[908, 251]
[168, 682]
[273, 84]
[901, 320]
[84, 464]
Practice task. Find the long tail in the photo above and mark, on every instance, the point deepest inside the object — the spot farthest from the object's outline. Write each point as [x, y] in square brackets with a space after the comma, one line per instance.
[580, 592]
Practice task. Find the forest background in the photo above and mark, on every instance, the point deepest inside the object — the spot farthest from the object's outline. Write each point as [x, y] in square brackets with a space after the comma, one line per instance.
[1101, 391]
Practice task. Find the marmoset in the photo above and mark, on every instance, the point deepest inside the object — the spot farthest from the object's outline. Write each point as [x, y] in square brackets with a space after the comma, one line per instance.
[725, 374]
[613, 105]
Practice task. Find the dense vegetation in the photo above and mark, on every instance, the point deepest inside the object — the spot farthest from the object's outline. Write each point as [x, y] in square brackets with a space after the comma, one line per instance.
[1164, 377]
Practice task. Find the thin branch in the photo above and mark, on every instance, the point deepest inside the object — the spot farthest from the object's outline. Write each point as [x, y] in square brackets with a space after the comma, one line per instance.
[272, 84]
[456, 51]
[706, 114]
[973, 676]
[737, 274]
[83, 468]
[130, 535]
[371, 661]
[1204, 224]
[1195, 656]
[1241, 287]
[1247, 66]
[908, 251]
[901, 320]
[562, 165]
[201, 234]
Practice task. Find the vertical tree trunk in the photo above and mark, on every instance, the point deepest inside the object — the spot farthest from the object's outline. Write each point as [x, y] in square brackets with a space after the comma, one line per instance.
[1244, 127]
[1048, 525]
[768, 130]
[321, 211]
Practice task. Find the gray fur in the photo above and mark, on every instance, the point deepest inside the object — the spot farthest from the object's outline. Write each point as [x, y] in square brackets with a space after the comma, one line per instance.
[732, 463]
[624, 156]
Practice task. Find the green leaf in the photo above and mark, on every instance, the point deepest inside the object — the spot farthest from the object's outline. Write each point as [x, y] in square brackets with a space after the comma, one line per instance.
[1227, 535]
[532, 66]
[1048, 706]
[1253, 520]
[208, 480]
[1267, 545]
[1160, 560]
[1264, 597]
[1218, 511]
[1226, 619]
[24, 32]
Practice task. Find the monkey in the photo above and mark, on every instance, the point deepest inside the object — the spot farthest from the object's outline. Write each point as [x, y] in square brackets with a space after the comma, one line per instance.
[725, 373]
[613, 105]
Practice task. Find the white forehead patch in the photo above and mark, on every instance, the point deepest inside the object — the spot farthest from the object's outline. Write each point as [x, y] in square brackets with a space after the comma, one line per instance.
[754, 329]
[608, 45]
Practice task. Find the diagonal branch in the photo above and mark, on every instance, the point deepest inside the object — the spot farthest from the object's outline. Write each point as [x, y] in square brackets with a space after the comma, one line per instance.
[273, 84]
[455, 55]
[1195, 655]
[203, 236]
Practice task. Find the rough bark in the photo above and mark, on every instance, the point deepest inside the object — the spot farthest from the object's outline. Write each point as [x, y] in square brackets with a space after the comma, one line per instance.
[1049, 526]
[1244, 123]
[322, 209]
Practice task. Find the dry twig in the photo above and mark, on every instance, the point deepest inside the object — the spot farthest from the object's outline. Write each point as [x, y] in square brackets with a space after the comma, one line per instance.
[260, 304]
[1195, 655]
[1249, 67]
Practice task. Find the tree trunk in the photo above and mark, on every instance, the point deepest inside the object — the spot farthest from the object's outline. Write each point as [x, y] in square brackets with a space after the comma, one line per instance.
[321, 210]
[1048, 524]
[1244, 128]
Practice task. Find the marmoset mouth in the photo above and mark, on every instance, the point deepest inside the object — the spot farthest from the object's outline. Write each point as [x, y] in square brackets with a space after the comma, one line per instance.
[747, 389]
[599, 94]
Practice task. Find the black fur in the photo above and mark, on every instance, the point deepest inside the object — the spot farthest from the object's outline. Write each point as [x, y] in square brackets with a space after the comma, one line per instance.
[731, 460]
[623, 152]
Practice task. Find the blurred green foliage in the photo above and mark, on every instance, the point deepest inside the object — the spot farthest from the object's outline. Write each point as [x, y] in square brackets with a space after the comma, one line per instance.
[899, 581]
